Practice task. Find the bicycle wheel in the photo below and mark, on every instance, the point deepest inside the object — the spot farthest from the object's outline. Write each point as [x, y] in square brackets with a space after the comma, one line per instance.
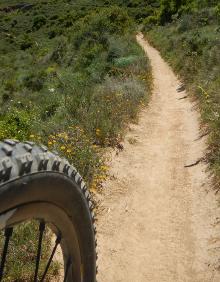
[37, 184]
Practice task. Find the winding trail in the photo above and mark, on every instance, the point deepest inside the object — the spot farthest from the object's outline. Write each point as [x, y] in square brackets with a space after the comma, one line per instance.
[157, 218]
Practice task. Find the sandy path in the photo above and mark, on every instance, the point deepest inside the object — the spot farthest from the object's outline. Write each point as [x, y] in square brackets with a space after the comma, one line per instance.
[157, 221]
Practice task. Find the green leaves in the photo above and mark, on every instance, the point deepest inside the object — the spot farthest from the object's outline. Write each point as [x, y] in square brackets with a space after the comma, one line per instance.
[38, 22]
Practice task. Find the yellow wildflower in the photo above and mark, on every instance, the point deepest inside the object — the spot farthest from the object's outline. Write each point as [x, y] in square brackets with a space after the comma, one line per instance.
[104, 168]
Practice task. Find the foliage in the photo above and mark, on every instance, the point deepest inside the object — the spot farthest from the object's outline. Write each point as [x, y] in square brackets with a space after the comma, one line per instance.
[51, 79]
[16, 123]
[71, 77]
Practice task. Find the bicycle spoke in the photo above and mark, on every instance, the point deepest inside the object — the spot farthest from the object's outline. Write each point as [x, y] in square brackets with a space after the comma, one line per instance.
[8, 233]
[67, 270]
[51, 257]
[41, 229]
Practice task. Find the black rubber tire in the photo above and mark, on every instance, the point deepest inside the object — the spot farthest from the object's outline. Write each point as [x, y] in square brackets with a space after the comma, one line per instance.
[37, 183]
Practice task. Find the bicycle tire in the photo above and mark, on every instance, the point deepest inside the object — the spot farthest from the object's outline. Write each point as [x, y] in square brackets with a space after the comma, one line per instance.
[37, 183]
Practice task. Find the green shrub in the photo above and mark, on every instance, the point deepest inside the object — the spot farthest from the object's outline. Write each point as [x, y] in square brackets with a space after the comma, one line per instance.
[26, 42]
[38, 22]
[17, 124]
[123, 62]
[35, 81]
[217, 12]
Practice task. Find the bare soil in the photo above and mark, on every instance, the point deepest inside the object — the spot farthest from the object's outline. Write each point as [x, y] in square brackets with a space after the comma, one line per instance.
[158, 220]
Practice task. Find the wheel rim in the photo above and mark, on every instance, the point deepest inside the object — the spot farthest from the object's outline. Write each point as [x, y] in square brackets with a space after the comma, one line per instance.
[61, 225]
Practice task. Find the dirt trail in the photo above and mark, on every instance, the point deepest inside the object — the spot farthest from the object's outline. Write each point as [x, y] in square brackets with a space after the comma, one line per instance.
[157, 220]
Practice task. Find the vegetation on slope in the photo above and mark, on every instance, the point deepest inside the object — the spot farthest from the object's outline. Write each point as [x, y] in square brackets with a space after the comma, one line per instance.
[71, 77]
[73, 69]
[188, 37]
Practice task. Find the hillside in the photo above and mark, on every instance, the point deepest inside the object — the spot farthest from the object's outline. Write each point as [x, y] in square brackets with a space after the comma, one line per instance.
[69, 69]
[71, 77]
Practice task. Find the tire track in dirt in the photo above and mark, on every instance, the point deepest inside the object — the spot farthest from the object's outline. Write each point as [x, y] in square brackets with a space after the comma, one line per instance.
[157, 218]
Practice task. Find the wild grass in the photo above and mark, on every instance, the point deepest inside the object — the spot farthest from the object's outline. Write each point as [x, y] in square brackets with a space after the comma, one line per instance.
[21, 257]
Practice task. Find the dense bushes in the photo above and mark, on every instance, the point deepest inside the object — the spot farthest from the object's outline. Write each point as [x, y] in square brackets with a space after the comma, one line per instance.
[69, 66]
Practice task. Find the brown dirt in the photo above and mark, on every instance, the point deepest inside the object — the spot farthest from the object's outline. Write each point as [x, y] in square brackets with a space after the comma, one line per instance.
[158, 219]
